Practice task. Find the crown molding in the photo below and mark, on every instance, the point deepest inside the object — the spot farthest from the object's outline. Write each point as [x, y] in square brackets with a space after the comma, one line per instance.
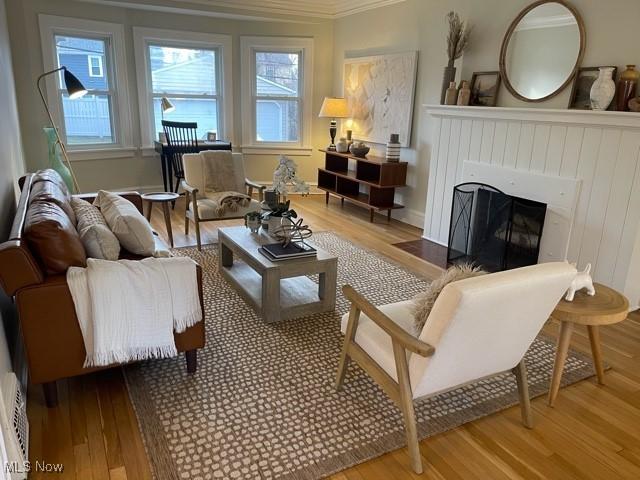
[254, 10]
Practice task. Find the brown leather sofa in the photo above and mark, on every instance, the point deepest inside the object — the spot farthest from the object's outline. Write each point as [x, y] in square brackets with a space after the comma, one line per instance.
[42, 245]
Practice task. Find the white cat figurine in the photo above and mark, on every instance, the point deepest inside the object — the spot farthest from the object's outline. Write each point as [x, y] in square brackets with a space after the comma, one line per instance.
[582, 280]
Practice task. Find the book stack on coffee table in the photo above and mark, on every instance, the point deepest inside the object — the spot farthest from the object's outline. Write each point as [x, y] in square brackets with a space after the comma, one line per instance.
[276, 252]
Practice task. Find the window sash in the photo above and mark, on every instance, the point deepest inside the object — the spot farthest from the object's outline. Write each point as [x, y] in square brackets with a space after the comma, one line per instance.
[298, 98]
[218, 97]
[108, 71]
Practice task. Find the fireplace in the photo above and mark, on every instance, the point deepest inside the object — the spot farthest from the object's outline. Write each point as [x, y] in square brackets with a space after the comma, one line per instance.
[494, 230]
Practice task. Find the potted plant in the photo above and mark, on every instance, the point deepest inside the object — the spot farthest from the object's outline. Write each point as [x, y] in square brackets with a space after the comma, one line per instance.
[275, 216]
[253, 221]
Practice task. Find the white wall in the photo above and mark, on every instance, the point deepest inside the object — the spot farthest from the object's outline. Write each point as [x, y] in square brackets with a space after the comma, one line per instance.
[11, 167]
[141, 171]
[420, 25]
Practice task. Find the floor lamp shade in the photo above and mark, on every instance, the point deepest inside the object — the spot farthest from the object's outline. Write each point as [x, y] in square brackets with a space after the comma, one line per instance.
[334, 107]
[166, 105]
[75, 89]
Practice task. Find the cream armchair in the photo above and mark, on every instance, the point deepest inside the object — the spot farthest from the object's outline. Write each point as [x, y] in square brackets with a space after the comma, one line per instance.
[478, 327]
[199, 209]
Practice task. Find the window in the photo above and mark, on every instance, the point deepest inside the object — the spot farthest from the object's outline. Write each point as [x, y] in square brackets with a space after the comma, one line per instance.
[94, 53]
[192, 71]
[276, 99]
[188, 78]
[95, 65]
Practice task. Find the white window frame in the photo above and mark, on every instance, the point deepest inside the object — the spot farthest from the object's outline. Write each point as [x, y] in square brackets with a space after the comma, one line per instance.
[143, 37]
[99, 66]
[50, 26]
[304, 47]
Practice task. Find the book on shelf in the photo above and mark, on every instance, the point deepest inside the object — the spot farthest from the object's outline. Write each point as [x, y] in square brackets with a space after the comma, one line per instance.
[276, 252]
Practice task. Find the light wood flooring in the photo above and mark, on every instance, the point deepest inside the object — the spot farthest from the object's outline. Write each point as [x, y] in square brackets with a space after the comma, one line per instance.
[592, 433]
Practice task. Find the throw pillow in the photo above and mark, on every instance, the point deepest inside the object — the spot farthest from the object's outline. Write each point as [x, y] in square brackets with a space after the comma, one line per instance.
[127, 223]
[98, 240]
[424, 302]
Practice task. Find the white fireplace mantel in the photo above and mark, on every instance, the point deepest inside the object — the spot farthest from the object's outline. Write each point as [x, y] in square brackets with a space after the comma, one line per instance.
[541, 115]
[600, 149]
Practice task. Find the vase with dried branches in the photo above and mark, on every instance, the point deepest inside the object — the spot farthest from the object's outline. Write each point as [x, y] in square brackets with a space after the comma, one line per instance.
[457, 41]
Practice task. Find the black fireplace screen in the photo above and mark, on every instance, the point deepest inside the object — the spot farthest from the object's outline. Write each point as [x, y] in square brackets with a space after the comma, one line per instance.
[492, 229]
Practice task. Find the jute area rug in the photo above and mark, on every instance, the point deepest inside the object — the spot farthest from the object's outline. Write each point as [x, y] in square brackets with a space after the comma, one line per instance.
[262, 404]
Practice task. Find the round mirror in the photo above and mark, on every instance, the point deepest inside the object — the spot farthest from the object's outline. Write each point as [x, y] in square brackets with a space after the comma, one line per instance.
[542, 50]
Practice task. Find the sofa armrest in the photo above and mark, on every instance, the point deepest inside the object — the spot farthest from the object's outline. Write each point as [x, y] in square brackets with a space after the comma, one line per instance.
[18, 268]
[133, 197]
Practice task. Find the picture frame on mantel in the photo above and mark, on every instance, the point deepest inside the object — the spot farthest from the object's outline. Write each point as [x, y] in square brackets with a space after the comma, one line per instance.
[485, 87]
[580, 98]
[380, 90]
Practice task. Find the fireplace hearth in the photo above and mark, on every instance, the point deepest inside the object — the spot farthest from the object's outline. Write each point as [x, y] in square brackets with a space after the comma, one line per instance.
[492, 229]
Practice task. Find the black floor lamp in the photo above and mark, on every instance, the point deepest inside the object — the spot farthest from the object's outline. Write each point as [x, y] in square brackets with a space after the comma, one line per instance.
[75, 89]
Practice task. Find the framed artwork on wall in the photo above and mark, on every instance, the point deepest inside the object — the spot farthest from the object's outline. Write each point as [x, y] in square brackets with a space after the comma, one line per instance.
[580, 98]
[484, 89]
[380, 90]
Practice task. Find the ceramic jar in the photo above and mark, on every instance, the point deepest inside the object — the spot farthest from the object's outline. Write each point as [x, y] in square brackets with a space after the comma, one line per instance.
[451, 97]
[464, 95]
[342, 146]
[627, 85]
[603, 89]
[393, 148]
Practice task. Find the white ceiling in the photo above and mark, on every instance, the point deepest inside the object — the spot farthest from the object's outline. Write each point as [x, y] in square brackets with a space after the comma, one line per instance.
[257, 8]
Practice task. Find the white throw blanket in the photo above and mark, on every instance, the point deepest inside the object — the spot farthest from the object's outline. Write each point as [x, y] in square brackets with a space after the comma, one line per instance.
[128, 310]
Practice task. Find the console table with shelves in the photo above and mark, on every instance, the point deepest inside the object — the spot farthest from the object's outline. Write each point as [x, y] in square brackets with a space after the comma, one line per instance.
[371, 185]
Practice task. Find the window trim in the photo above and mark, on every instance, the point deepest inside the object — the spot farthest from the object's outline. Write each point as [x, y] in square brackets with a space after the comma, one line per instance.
[99, 66]
[52, 25]
[249, 45]
[143, 36]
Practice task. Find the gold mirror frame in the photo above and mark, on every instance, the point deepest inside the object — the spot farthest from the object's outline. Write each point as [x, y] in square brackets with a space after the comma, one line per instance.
[507, 37]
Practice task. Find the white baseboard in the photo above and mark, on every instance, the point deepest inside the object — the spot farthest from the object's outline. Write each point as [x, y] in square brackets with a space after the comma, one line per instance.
[410, 216]
[140, 188]
[427, 237]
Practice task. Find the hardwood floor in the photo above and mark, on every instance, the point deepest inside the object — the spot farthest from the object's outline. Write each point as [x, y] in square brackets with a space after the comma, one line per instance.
[592, 433]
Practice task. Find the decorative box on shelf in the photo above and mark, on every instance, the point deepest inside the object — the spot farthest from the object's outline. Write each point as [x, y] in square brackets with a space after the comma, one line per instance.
[371, 185]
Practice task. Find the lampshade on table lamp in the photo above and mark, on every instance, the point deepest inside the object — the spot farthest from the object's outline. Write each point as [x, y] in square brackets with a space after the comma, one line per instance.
[334, 107]
[75, 89]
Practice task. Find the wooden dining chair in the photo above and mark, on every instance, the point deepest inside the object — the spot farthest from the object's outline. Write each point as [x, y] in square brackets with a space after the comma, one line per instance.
[181, 138]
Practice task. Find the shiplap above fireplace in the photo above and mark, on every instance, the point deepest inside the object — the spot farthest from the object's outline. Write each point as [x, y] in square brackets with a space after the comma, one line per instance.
[600, 149]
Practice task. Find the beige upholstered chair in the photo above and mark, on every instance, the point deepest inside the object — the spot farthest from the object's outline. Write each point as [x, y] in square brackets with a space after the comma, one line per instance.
[200, 209]
[477, 328]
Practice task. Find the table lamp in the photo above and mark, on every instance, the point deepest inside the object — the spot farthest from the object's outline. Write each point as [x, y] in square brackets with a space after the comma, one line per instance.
[75, 89]
[334, 107]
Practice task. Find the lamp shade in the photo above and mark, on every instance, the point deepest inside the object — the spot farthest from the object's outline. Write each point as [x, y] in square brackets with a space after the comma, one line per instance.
[334, 107]
[166, 105]
[74, 87]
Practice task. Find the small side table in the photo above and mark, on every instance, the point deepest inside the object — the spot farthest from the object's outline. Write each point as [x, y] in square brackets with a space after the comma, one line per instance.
[605, 308]
[164, 198]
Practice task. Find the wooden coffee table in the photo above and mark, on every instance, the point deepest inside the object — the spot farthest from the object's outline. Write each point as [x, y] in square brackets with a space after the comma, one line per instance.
[164, 198]
[606, 307]
[276, 290]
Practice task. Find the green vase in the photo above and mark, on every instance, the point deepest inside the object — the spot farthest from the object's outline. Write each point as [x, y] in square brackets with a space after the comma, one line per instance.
[55, 158]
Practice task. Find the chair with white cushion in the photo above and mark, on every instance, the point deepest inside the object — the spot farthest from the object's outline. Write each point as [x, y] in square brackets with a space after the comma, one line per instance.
[198, 208]
[478, 327]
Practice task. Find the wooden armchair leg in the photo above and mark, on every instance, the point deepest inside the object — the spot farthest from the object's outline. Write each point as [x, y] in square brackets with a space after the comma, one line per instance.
[50, 394]
[349, 336]
[186, 209]
[192, 360]
[520, 371]
[197, 223]
[406, 405]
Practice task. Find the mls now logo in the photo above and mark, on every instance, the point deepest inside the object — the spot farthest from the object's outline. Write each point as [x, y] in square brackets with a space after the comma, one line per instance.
[37, 466]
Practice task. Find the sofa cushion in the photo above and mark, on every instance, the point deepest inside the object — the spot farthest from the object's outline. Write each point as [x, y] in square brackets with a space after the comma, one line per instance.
[52, 238]
[98, 239]
[127, 223]
[53, 192]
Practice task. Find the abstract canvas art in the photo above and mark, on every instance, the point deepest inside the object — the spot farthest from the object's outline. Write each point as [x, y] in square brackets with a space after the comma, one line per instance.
[380, 90]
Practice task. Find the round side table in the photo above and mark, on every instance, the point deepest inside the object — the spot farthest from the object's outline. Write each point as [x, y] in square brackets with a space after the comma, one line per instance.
[164, 198]
[605, 308]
